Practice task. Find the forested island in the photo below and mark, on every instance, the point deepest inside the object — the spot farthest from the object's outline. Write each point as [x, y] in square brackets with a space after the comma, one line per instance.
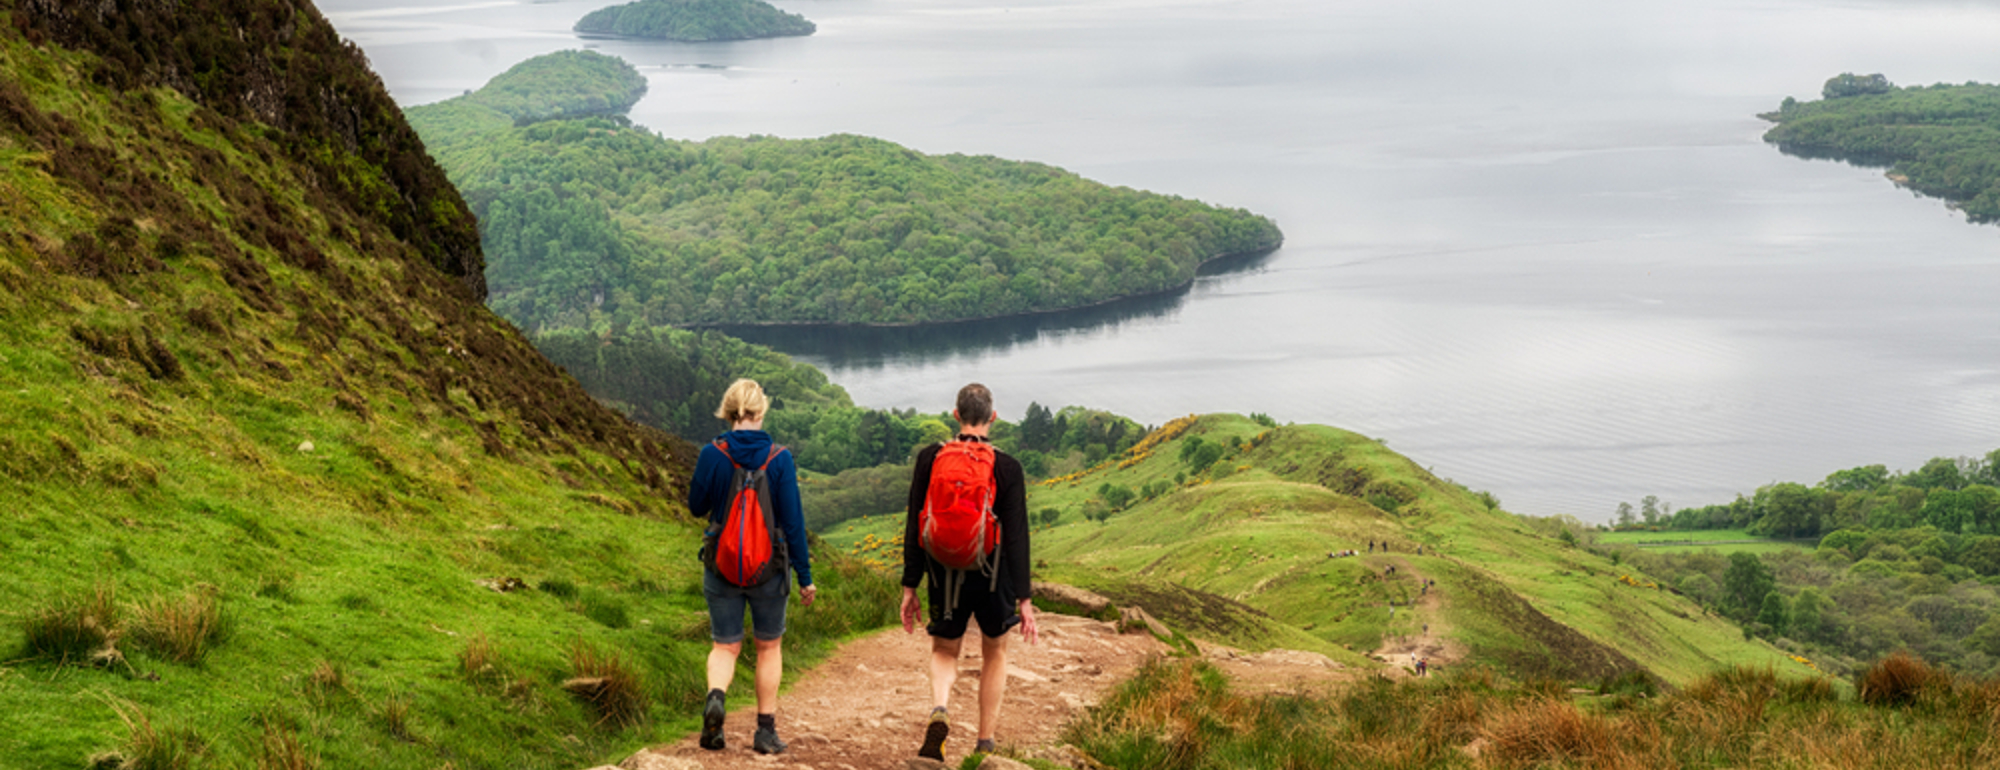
[1941, 140]
[695, 21]
[592, 223]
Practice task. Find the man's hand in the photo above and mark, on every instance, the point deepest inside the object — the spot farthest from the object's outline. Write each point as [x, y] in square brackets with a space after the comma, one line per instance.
[909, 610]
[1028, 629]
[806, 594]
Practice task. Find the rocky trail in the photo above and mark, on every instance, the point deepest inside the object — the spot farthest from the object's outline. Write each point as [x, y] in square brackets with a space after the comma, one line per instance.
[866, 707]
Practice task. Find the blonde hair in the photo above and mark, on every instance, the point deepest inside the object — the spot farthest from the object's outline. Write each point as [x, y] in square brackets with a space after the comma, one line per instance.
[744, 400]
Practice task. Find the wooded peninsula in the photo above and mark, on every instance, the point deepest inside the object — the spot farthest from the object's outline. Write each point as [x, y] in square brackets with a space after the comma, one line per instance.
[695, 21]
[594, 223]
[1941, 140]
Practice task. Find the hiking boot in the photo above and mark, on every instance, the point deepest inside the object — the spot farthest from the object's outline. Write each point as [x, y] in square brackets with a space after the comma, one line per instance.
[766, 741]
[711, 722]
[935, 734]
[984, 746]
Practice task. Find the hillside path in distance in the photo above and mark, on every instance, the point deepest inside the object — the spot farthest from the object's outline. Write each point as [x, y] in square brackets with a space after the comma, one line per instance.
[1433, 645]
[867, 706]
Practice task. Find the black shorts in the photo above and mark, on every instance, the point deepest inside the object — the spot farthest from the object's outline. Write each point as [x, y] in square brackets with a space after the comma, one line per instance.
[994, 608]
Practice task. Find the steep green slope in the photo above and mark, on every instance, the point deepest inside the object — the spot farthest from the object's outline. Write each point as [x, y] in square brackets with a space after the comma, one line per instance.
[593, 224]
[249, 396]
[1257, 524]
[695, 20]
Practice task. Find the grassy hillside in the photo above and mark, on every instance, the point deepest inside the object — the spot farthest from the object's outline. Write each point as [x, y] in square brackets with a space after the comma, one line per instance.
[1257, 524]
[265, 459]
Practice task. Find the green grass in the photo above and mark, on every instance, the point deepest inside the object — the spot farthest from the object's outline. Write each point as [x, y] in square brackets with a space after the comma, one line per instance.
[1255, 530]
[1723, 541]
[269, 600]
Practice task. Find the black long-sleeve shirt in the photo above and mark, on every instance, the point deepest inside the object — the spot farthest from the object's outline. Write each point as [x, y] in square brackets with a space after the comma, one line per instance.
[1010, 506]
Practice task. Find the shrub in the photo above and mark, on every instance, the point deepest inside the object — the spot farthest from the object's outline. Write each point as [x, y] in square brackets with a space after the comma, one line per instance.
[1898, 680]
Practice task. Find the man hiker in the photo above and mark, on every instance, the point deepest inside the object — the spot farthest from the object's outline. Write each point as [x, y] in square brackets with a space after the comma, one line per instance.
[971, 571]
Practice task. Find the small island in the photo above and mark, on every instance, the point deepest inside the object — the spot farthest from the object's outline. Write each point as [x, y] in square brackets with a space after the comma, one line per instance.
[1938, 140]
[695, 21]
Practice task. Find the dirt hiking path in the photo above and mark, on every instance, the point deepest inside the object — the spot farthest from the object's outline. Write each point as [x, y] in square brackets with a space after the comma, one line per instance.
[1433, 645]
[866, 707]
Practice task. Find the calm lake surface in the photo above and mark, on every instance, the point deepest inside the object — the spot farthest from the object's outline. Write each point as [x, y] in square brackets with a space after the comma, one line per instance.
[1536, 246]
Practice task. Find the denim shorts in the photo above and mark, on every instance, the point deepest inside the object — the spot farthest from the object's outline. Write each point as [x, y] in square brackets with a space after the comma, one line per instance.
[727, 604]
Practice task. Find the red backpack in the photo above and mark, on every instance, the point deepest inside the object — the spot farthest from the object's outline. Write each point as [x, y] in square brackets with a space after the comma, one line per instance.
[747, 548]
[957, 526]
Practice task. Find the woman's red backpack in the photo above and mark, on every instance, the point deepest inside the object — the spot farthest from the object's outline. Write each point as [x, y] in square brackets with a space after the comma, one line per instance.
[746, 549]
[957, 526]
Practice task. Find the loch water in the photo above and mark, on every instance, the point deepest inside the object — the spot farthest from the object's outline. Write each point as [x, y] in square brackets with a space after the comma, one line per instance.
[1538, 247]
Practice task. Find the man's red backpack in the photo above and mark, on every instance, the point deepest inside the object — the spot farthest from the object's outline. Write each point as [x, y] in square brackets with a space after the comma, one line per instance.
[957, 526]
[747, 549]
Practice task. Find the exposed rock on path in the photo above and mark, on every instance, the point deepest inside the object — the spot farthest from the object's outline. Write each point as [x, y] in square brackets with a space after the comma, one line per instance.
[866, 707]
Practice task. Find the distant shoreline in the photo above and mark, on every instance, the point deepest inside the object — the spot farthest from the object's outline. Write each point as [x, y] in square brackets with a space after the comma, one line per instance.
[1174, 289]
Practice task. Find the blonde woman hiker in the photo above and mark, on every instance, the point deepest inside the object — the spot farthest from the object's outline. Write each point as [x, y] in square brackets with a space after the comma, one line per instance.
[747, 488]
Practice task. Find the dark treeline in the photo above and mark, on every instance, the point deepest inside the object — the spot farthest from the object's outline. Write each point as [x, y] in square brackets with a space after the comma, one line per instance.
[1941, 140]
[695, 20]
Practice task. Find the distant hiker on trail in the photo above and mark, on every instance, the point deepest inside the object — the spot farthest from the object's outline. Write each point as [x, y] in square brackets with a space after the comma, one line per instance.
[1371, 546]
[748, 489]
[966, 538]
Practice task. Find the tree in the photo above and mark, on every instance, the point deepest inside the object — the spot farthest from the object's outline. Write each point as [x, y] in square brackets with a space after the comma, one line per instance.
[1649, 509]
[1625, 517]
[1115, 496]
[1867, 478]
[1793, 510]
[1848, 84]
[1038, 428]
[1806, 619]
[1699, 587]
[1745, 585]
[1773, 613]
[1938, 473]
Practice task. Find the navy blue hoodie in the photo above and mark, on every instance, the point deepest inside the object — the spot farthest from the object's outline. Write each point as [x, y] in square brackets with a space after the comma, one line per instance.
[708, 491]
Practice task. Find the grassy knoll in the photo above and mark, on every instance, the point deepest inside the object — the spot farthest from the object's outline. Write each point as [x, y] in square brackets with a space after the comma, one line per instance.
[1256, 525]
[265, 459]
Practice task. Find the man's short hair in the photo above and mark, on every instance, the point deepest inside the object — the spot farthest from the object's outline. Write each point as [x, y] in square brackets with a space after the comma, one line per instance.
[975, 405]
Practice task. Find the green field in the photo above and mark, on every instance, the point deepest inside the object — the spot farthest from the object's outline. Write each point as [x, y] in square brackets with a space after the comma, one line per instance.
[1723, 541]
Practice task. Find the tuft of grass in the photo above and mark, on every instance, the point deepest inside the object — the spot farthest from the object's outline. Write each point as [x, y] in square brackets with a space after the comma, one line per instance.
[1899, 680]
[326, 680]
[151, 748]
[284, 751]
[395, 716]
[559, 588]
[74, 628]
[608, 683]
[182, 629]
[479, 662]
[1545, 731]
